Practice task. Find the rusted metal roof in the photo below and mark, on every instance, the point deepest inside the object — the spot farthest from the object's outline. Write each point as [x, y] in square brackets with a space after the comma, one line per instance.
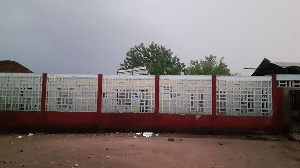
[7, 66]
[266, 67]
[287, 64]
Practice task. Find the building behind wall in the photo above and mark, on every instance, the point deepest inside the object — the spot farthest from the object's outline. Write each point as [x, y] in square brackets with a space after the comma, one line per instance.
[267, 67]
[7, 66]
[286, 80]
[134, 71]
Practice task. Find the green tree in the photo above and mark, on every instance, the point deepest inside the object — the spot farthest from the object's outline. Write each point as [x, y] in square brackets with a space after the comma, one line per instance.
[156, 58]
[209, 66]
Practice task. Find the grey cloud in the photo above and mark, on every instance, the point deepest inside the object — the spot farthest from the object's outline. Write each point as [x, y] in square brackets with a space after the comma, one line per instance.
[94, 36]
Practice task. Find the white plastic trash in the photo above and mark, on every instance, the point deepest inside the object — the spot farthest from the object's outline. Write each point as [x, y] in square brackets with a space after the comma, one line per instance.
[138, 133]
[19, 137]
[30, 134]
[147, 134]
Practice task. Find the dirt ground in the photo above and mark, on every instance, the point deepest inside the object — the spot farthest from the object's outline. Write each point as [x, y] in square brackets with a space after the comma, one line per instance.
[124, 150]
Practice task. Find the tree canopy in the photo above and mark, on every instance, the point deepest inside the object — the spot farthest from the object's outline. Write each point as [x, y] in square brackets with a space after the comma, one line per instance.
[156, 58]
[209, 66]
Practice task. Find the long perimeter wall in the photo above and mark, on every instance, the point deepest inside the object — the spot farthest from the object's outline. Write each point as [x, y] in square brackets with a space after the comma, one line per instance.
[143, 102]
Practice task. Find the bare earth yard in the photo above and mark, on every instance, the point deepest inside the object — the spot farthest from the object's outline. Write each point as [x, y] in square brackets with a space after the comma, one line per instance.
[123, 150]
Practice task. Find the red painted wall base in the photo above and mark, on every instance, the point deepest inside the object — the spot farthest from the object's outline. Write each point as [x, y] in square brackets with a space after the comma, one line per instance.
[133, 121]
[77, 119]
[20, 119]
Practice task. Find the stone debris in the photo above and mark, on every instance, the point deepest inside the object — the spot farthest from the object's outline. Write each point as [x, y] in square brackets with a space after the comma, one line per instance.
[117, 134]
[89, 156]
[22, 165]
[171, 138]
[21, 150]
[76, 165]
[19, 137]
[68, 161]
[30, 134]
[266, 137]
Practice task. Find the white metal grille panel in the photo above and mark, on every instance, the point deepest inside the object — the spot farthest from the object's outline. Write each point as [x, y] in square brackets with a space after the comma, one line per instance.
[288, 80]
[20, 92]
[186, 95]
[244, 96]
[128, 94]
[72, 93]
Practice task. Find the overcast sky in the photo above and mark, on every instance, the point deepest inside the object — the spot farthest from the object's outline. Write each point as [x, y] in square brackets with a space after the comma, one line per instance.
[91, 37]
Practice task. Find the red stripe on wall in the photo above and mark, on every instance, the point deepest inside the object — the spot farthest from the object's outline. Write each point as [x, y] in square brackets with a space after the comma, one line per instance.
[43, 99]
[98, 119]
[214, 100]
[277, 103]
[156, 95]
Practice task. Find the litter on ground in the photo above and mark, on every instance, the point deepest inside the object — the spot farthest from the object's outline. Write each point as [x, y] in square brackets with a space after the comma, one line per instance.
[138, 133]
[147, 134]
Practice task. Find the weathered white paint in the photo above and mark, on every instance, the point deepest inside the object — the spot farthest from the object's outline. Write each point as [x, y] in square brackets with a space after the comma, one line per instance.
[244, 78]
[20, 92]
[186, 77]
[71, 76]
[128, 94]
[128, 76]
[69, 93]
[179, 94]
[185, 95]
[290, 77]
[20, 75]
[244, 97]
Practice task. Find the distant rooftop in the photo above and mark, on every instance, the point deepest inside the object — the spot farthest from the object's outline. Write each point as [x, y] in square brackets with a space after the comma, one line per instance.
[267, 67]
[287, 64]
[134, 71]
[7, 66]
